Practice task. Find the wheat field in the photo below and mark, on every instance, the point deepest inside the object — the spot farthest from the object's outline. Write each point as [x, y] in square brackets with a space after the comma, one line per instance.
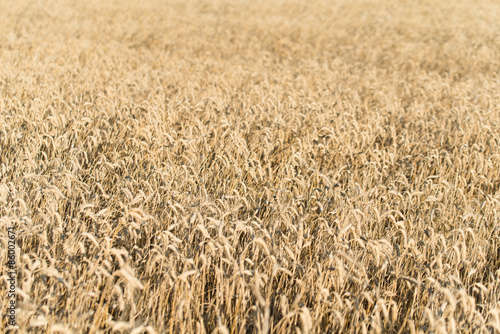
[251, 167]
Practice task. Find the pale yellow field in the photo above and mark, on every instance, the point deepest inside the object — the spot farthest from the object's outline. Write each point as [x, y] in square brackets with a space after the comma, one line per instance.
[251, 166]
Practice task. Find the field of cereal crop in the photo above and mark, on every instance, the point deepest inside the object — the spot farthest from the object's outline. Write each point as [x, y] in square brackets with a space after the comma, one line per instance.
[250, 166]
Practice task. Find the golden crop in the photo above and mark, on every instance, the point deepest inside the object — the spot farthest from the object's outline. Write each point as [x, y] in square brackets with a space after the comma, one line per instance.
[251, 166]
